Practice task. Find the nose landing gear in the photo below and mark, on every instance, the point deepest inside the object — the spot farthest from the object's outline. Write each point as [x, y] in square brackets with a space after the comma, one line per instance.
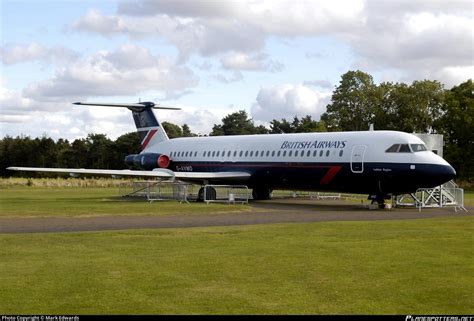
[379, 199]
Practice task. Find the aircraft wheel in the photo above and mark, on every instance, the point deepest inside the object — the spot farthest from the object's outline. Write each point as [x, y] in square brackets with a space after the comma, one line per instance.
[261, 193]
[211, 194]
[379, 199]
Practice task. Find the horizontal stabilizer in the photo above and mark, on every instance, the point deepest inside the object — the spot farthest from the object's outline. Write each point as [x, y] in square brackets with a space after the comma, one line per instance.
[136, 105]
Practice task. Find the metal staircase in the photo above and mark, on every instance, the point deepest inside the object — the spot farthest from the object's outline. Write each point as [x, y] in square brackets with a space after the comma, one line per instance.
[446, 195]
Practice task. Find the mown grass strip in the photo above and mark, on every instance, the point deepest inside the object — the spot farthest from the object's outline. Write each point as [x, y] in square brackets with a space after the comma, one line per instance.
[77, 201]
[384, 267]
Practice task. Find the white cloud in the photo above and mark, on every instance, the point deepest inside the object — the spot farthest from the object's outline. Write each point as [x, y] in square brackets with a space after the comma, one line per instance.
[127, 71]
[455, 75]
[183, 8]
[17, 53]
[414, 38]
[190, 35]
[234, 77]
[59, 119]
[255, 62]
[287, 101]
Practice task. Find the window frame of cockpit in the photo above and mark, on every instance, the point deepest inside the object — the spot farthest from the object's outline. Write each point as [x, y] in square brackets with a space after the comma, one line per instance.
[397, 148]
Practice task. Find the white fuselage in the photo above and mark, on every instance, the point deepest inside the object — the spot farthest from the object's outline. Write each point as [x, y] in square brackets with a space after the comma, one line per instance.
[306, 160]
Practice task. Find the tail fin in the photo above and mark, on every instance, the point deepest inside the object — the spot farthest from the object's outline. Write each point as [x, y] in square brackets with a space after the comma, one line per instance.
[148, 127]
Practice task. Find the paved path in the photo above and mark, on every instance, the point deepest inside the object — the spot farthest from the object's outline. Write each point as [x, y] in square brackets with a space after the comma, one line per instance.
[278, 211]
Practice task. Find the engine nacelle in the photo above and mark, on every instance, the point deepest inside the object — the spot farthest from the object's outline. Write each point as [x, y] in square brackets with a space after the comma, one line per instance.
[148, 161]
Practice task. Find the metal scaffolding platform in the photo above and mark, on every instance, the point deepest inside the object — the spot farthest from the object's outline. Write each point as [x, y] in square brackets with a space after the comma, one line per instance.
[159, 190]
[446, 195]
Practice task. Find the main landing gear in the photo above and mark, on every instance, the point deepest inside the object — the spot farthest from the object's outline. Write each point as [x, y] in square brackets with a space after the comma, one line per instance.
[379, 199]
[211, 194]
[261, 193]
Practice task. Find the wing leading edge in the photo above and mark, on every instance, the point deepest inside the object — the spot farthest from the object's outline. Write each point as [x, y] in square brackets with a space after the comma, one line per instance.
[158, 173]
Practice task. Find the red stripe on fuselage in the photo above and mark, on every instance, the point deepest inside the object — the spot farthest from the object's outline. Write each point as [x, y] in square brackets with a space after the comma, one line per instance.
[332, 171]
[148, 137]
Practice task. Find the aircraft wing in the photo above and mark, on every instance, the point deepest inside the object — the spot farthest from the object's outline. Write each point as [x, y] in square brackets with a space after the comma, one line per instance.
[158, 173]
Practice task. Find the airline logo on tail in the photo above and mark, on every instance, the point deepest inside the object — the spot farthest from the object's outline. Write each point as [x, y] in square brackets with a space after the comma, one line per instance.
[149, 135]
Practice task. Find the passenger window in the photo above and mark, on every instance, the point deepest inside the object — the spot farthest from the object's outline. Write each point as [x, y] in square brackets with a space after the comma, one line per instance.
[321, 153]
[296, 153]
[289, 153]
[327, 153]
[278, 153]
[246, 153]
[235, 153]
[315, 153]
[217, 154]
[340, 153]
[241, 153]
[308, 153]
[228, 153]
[268, 153]
[251, 153]
[273, 153]
[284, 153]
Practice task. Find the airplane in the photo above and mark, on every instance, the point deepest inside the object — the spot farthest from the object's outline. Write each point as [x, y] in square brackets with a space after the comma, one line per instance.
[377, 163]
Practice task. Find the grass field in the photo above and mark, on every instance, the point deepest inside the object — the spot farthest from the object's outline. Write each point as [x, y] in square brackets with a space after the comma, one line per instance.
[380, 267]
[41, 201]
[469, 198]
[389, 267]
[32, 201]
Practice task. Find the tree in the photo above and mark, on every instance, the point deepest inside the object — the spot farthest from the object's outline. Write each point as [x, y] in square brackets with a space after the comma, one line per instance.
[237, 123]
[124, 145]
[353, 103]
[172, 130]
[305, 125]
[457, 126]
[357, 102]
[46, 151]
[100, 151]
[187, 131]
[417, 106]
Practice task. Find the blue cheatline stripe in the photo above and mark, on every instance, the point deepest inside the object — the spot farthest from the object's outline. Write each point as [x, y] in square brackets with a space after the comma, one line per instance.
[376, 177]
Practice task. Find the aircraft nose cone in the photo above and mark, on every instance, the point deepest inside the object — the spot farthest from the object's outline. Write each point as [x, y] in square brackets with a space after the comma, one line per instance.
[451, 173]
[446, 173]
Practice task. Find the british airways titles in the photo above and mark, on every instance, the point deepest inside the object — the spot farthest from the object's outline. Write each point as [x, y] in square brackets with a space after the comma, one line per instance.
[314, 144]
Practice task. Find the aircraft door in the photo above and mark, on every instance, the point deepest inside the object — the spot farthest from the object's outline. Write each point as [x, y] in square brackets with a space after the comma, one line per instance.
[357, 158]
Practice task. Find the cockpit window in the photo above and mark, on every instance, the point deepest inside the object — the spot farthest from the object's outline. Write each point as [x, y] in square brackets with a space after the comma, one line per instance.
[400, 148]
[393, 149]
[418, 147]
[404, 148]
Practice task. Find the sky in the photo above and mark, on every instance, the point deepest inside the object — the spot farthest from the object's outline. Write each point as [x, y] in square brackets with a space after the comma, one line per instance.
[274, 59]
